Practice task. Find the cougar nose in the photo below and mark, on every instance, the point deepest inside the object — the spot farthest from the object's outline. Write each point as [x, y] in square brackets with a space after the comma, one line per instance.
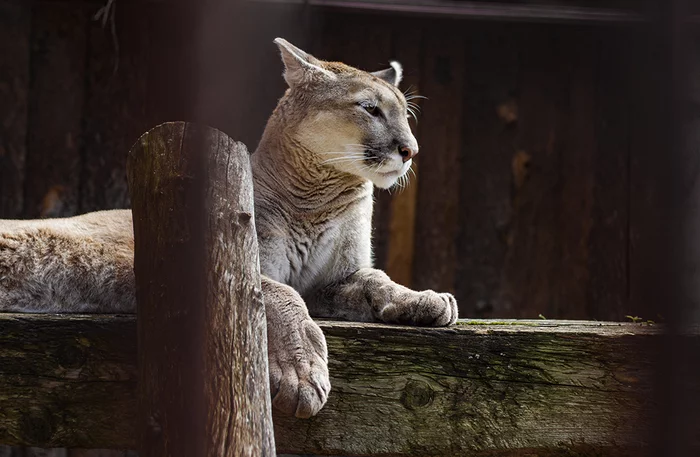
[407, 153]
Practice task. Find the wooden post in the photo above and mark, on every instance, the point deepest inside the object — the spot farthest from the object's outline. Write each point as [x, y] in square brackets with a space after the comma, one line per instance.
[202, 354]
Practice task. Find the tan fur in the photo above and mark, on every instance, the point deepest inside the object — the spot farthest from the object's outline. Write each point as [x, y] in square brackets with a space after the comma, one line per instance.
[78, 264]
[336, 132]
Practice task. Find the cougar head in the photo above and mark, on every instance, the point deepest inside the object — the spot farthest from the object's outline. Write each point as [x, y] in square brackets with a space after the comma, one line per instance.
[353, 121]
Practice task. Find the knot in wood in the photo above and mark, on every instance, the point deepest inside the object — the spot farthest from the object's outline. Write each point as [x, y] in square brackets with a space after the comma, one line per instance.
[71, 356]
[154, 425]
[417, 394]
[244, 217]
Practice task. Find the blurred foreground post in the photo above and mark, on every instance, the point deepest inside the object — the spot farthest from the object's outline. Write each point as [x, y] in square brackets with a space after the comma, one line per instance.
[202, 345]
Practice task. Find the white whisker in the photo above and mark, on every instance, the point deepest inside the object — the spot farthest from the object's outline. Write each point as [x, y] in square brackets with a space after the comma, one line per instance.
[412, 113]
[341, 159]
[414, 106]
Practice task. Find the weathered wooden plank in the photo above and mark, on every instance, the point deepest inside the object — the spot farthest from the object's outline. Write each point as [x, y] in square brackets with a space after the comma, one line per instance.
[203, 376]
[531, 258]
[15, 20]
[438, 189]
[487, 173]
[58, 46]
[648, 176]
[115, 106]
[10, 451]
[574, 188]
[402, 210]
[608, 262]
[40, 452]
[546, 264]
[481, 386]
[100, 453]
[92, 359]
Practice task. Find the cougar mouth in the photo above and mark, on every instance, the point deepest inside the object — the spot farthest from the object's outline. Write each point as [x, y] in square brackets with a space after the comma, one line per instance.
[390, 174]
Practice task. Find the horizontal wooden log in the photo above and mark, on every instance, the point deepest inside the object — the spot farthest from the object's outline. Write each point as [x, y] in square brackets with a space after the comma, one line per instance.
[562, 12]
[479, 387]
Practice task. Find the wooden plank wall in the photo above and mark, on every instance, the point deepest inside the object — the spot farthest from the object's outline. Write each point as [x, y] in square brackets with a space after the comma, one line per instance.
[535, 193]
[532, 148]
[70, 113]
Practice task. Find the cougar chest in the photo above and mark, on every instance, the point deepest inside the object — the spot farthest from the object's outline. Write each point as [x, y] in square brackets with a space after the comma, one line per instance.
[313, 253]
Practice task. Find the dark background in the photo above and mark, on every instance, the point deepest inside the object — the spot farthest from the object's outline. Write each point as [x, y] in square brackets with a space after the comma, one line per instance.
[559, 142]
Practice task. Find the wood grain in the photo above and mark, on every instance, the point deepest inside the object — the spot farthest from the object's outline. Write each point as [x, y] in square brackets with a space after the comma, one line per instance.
[490, 126]
[115, 106]
[608, 262]
[203, 380]
[56, 97]
[649, 178]
[438, 189]
[546, 265]
[15, 22]
[479, 387]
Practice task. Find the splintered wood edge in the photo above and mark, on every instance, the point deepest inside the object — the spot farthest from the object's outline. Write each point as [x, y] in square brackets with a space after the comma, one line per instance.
[462, 325]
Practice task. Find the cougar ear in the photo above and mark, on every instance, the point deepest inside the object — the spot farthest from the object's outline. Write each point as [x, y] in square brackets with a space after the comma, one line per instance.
[392, 75]
[299, 66]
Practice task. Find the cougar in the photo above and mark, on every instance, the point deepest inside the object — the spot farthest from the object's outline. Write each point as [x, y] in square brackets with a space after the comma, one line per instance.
[335, 133]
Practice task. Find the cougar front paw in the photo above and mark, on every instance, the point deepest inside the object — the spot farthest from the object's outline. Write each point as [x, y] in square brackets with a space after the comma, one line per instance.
[426, 308]
[299, 383]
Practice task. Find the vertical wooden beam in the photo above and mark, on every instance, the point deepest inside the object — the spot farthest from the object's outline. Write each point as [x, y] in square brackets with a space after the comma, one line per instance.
[491, 113]
[55, 110]
[546, 265]
[15, 21]
[402, 208]
[608, 262]
[251, 74]
[173, 64]
[576, 176]
[203, 380]
[671, 276]
[646, 190]
[439, 160]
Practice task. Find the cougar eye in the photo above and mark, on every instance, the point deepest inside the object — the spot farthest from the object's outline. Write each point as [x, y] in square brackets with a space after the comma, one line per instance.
[371, 108]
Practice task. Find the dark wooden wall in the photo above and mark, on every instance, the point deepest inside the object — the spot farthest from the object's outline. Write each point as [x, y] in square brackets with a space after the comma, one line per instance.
[535, 189]
[536, 180]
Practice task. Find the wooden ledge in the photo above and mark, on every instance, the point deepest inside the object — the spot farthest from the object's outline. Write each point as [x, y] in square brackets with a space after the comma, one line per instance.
[480, 387]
